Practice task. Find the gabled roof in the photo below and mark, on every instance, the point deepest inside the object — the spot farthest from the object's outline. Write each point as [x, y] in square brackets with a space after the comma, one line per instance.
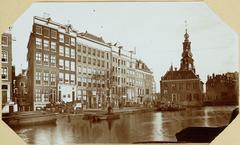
[140, 65]
[93, 37]
[177, 75]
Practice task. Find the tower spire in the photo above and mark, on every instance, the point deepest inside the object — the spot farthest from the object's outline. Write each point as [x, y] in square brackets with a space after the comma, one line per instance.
[187, 60]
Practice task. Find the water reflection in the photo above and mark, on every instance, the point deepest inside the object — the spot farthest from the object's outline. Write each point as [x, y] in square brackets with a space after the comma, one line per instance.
[151, 126]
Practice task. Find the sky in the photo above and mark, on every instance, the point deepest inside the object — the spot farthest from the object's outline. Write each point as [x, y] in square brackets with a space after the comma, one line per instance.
[155, 29]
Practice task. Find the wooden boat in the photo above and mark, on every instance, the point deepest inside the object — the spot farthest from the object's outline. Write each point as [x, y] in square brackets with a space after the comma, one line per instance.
[98, 117]
[29, 118]
[171, 107]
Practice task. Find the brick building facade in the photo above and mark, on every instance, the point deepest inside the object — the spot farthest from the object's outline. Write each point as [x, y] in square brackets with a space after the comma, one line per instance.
[222, 89]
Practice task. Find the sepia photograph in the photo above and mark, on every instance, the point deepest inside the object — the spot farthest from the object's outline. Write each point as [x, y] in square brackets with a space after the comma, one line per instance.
[119, 72]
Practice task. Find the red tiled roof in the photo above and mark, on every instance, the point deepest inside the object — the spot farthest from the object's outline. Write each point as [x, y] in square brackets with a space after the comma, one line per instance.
[177, 75]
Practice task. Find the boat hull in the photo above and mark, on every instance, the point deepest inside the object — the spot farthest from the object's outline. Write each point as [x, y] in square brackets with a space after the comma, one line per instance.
[30, 118]
[98, 117]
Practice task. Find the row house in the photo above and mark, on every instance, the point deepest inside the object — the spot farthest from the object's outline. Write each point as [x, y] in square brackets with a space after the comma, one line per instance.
[8, 104]
[93, 64]
[144, 83]
[20, 91]
[68, 66]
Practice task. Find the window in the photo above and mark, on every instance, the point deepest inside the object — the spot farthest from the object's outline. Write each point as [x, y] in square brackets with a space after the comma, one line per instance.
[53, 60]
[67, 40]
[94, 61]
[107, 56]
[46, 95]
[4, 56]
[72, 66]
[84, 59]
[72, 41]
[38, 95]
[67, 53]
[79, 48]
[4, 40]
[38, 58]
[102, 54]
[98, 53]
[72, 53]
[66, 78]
[53, 78]
[38, 77]
[46, 44]
[84, 49]
[61, 63]
[53, 46]
[79, 69]
[72, 79]
[89, 51]
[46, 32]
[89, 70]
[4, 73]
[54, 34]
[61, 50]
[46, 59]
[84, 70]
[61, 38]
[89, 60]
[79, 81]
[84, 82]
[67, 67]
[79, 58]
[45, 78]
[98, 62]
[103, 63]
[107, 65]
[89, 83]
[38, 30]
[38, 43]
[61, 77]
[94, 52]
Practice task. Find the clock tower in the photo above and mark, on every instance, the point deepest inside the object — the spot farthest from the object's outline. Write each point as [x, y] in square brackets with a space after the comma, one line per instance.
[187, 60]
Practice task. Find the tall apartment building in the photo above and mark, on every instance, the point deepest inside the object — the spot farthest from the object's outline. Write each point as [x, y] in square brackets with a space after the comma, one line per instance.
[6, 74]
[51, 63]
[183, 86]
[68, 66]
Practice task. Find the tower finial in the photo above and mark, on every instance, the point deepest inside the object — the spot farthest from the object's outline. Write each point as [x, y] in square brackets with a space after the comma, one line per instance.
[185, 25]
[186, 34]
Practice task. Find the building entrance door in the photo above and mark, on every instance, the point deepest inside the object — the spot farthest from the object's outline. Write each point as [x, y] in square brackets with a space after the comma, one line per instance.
[10, 109]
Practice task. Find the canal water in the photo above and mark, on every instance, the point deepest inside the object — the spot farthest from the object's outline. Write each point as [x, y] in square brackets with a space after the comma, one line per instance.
[138, 127]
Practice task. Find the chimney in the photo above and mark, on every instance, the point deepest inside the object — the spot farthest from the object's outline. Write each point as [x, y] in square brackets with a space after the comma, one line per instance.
[175, 68]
